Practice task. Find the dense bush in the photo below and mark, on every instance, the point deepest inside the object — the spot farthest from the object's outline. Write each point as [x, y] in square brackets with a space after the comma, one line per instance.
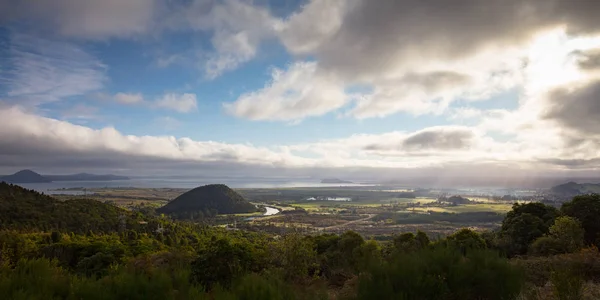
[442, 273]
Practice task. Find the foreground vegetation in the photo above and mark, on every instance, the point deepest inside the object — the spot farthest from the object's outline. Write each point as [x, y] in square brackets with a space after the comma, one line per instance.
[539, 252]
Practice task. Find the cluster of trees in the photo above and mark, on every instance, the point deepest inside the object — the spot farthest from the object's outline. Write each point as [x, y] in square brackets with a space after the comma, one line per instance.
[539, 229]
[24, 209]
[164, 259]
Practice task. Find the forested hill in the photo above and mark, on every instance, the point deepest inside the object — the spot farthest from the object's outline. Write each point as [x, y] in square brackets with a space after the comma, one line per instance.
[21, 208]
[208, 200]
[571, 189]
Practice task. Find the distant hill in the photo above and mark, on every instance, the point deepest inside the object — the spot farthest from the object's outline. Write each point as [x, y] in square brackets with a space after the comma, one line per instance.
[571, 189]
[28, 176]
[25, 176]
[208, 200]
[334, 180]
[21, 208]
[454, 200]
[85, 177]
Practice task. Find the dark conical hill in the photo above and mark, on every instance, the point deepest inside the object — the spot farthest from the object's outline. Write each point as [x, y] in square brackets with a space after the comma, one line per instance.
[213, 197]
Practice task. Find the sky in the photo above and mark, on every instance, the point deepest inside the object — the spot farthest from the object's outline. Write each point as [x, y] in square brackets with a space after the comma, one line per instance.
[354, 88]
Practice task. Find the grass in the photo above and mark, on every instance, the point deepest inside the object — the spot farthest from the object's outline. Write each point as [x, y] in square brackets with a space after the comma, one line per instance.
[487, 207]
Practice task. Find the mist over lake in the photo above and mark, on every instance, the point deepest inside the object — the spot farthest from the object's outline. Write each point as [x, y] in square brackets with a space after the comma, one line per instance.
[180, 183]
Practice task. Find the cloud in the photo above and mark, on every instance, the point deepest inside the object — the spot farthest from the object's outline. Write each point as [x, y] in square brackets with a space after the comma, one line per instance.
[238, 28]
[589, 60]
[577, 108]
[419, 56]
[28, 135]
[182, 103]
[442, 138]
[94, 19]
[298, 92]
[316, 22]
[388, 35]
[42, 70]
[125, 98]
[37, 142]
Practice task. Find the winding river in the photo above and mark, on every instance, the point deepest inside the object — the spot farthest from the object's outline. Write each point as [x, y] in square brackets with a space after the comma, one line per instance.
[270, 211]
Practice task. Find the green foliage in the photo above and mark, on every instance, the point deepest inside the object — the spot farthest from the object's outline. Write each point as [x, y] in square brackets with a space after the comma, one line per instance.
[207, 200]
[220, 262]
[538, 269]
[34, 279]
[546, 245]
[569, 232]
[442, 273]
[296, 256]
[80, 250]
[256, 287]
[586, 209]
[29, 210]
[565, 236]
[524, 224]
[407, 242]
[466, 239]
[567, 284]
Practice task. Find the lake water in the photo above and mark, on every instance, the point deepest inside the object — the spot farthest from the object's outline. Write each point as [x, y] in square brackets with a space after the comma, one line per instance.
[180, 183]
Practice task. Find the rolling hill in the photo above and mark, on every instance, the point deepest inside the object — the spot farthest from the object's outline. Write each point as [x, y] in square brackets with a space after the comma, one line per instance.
[209, 200]
[21, 208]
[25, 176]
[29, 176]
[571, 189]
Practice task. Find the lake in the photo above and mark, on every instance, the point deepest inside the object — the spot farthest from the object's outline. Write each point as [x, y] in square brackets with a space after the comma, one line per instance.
[179, 183]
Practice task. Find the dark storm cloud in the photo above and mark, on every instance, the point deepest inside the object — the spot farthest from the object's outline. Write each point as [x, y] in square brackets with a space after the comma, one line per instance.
[577, 108]
[435, 80]
[378, 35]
[573, 163]
[442, 139]
[589, 60]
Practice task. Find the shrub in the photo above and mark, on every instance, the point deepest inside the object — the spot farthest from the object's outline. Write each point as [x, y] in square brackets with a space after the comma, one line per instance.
[442, 273]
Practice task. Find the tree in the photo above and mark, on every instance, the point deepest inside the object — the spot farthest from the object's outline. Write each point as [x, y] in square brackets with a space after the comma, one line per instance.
[568, 232]
[220, 262]
[296, 256]
[422, 239]
[466, 239]
[524, 224]
[441, 273]
[545, 246]
[586, 209]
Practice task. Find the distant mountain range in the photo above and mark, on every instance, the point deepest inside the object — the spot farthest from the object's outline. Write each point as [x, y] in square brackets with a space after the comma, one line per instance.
[29, 176]
[571, 189]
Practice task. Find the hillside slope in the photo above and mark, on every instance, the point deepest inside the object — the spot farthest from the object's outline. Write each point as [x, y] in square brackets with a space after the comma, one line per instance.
[25, 176]
[571, 189]
[209, 199]
[21, 208]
